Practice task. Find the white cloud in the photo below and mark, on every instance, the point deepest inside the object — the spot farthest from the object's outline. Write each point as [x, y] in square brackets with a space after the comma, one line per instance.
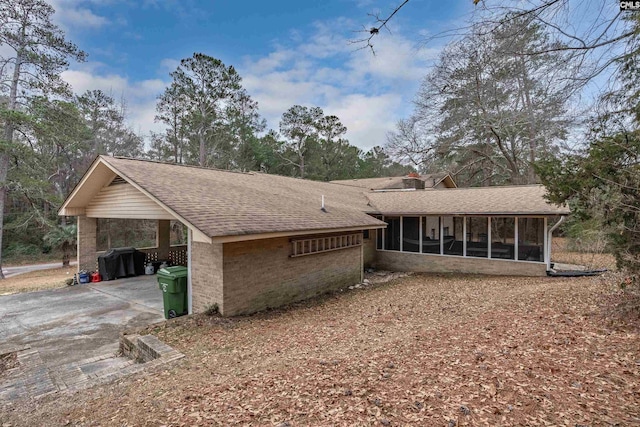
[71, 14]
[169, 65]
[140, 96]
[272, 61]
[368, 118]
[368, 93]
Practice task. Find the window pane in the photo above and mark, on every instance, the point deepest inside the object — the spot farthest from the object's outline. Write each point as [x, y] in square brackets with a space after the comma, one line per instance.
[411, 234]
[392, 233]
[477, 241]
[502, 238]
[452, 235]
[431, 234]
[530, 239]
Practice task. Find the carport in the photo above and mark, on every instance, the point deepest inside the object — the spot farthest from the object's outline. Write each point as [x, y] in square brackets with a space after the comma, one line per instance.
[104, 193]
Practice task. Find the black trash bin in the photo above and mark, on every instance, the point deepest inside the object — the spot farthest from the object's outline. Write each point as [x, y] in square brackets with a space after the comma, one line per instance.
[121, 262]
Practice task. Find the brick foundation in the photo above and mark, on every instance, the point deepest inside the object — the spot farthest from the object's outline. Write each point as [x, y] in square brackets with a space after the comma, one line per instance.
[424, 263]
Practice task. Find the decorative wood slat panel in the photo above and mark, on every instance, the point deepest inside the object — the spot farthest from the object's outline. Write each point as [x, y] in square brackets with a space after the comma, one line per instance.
[317, 245]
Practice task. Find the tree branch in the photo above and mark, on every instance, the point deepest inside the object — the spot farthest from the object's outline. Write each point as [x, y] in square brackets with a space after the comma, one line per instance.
[375, 30]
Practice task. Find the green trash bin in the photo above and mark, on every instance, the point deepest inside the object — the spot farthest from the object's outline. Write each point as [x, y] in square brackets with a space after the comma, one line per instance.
[172, 281]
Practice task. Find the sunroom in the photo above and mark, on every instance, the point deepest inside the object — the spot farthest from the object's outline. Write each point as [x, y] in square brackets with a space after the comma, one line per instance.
[496, 230]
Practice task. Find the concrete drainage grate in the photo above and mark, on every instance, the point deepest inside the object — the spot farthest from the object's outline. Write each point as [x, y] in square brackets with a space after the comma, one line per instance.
[25, 375]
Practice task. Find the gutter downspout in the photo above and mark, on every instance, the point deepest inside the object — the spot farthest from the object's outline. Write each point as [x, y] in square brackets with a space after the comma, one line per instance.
[190, 272]
[549, 237]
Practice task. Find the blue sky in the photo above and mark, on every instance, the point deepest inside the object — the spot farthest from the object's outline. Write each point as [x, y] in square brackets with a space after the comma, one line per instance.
[288, 52]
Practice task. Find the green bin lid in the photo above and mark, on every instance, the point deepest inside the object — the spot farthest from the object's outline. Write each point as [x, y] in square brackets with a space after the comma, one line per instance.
[175, 271]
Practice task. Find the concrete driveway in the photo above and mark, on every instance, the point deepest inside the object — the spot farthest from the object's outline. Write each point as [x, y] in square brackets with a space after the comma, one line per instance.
[75, 329]
[79, 322]
[21, 269]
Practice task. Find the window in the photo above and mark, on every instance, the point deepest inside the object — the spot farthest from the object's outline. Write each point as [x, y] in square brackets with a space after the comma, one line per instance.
[452, 235]
[531, 239]
[477, 237]
[392, 233]
[502, 238]
[431, 241]
[365, 234]
[411, 234]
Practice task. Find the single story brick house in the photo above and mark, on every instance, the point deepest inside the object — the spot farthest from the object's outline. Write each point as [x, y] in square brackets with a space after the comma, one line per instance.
[257, 240]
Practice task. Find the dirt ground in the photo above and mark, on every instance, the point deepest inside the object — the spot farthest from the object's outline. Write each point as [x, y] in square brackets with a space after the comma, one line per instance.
[593, 261]
[424, 350]
[37, 280]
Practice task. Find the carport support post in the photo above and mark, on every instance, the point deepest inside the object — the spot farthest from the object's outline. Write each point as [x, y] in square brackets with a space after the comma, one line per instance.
[87, 242]
[163, 238]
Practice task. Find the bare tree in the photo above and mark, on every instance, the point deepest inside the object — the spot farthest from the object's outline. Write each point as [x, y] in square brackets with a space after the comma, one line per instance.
[594, 33]
[413, 142]
[486, 113]
[380, 22]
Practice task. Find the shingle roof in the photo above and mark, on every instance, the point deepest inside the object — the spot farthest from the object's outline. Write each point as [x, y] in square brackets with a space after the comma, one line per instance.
[223, 203]
[507, 200]
[392, 182]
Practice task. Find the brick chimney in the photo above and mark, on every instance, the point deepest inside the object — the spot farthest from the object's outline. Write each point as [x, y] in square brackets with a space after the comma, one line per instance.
[412, 182]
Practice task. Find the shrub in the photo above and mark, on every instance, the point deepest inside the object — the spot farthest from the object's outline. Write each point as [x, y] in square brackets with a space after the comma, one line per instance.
[212, 310]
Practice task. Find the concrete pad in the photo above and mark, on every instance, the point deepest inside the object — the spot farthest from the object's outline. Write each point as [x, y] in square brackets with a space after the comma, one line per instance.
[80, 322]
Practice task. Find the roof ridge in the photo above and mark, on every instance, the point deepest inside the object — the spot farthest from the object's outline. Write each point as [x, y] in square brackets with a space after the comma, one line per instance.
[250, 173]
[178, 164]
[497, 186]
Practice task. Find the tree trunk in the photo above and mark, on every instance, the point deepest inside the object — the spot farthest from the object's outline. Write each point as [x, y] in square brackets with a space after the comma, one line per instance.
[202, 151]
[4, 167]
[8, 140]
[533, 148]
[66, 256]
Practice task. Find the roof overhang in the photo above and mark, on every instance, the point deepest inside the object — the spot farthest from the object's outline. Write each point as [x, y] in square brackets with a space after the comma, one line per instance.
[100, 174]
[246, 237]
[519, 214]
[448, 181]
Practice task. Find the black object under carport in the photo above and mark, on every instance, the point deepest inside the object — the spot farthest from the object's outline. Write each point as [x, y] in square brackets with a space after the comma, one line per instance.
[121, 262]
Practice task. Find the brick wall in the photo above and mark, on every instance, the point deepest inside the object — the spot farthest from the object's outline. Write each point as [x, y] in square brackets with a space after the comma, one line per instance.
[260, 274]
[206, 276]
[369, 249]
[87, 241]
[422, 263]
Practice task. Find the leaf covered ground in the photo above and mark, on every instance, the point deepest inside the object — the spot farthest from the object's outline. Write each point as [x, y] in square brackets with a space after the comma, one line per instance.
[424, 350]
[37, 280]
